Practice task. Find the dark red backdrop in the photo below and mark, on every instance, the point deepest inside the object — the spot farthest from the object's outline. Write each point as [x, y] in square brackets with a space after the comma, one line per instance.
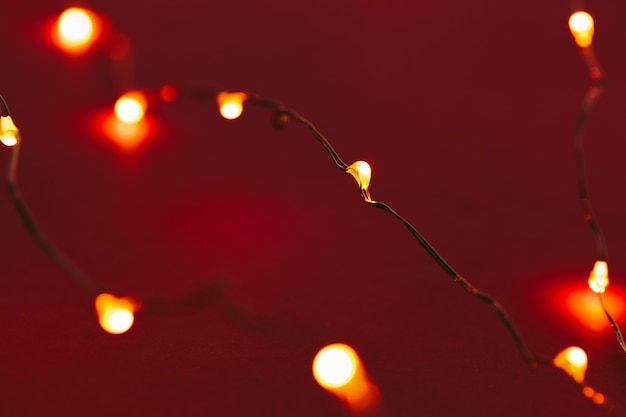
[465, 111]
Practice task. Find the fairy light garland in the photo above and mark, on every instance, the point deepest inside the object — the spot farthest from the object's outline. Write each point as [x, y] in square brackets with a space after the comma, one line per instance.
[116, 314]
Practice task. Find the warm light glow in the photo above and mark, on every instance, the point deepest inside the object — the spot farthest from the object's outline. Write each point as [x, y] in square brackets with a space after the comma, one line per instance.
[168, 93]
[128, 136]
[573, 361]
[362, 173]
[335, 365]
[338, 369]
[584, 305]
[598, 398]
[116, 315]
[581, 26]
[231, 104]
[9, 133]
[599, 277]
[76, 30]
[131, 107]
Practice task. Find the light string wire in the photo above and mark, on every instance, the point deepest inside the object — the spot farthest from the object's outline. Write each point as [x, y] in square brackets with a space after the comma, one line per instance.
[214, 293]
[599, 85]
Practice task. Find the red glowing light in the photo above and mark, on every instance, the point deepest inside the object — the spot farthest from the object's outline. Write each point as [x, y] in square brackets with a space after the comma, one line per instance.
[168, 93]
[76, 30]
[585, 306]
[128, 136]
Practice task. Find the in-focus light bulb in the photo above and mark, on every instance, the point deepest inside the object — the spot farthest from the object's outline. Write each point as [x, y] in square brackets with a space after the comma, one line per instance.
[335, 365]
[9, 133]
[362, 173]
[581, 26]
[599, 277]
[131, 107]
[231, 104]
[116, 315]
[76, 30]
[572, 360]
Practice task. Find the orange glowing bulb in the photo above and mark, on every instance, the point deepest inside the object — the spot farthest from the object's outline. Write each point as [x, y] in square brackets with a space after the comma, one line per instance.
[231, 104]
[599, 277]
[9, 133]
[581, 26]
[334, 366]
[116, 315]
[572, 360]
[131, 107]
[362, 173]
[75, 30]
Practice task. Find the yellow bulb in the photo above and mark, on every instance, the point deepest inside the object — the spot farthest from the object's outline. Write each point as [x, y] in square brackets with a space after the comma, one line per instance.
[599, 277]
[9, 133]
[362, 173]
[116, 315]
[75, 30]
[231, 104]
[572, 360]
[131, 107]
[581, 26]
[334, 366]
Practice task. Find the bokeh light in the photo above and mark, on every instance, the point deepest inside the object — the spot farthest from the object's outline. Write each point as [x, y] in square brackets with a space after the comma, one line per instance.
[115, 315]
[581, 25]
[131, 107]
[231, 104]
[76, 30]
[572, 360]
[586, 308]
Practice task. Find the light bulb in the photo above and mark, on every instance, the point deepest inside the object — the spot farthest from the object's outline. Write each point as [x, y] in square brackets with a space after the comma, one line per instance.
[599, 277]
[581, 26]
[9, 133]
[334, 366]
[231, 104]
[116, 315]
[131, 107]
[76, 30]
[362, 173]
[572, 360]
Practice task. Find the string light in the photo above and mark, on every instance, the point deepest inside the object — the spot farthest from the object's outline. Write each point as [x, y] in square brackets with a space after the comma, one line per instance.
[581, 26]
[9, 133]
[338, 369]
[572, 360]
[115, 315]
[131, 107]
[76, 30]
[231, 104]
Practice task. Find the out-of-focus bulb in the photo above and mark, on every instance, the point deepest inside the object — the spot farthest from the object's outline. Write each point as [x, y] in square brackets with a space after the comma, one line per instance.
[76, 30]
[362, 173]
[131, 107]
[334, 366]
[572, 360]
[581, 26]
[231, 104]
[116, 315]
[9, 133]
[599, 277]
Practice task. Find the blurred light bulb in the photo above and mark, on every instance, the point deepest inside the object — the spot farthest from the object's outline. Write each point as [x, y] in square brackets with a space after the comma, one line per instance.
[581, 26]
[572, 360]
[131, 107]
[231, 104]
[116, 315]
[362, 173]
[76, 30]
[599, 277]
[9, 133]
[334, 366]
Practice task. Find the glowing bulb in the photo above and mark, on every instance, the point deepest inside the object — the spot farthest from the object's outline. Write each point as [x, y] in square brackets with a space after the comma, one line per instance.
[362, 173]
[572, 360]
[75, 30]
[335, 365]
[231, 104]
[581, 26]
[131, 107]
[116, 315]
[9, 133]
[599, 277]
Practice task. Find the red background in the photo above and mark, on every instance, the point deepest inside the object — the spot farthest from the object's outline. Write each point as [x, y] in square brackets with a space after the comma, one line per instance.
[465, 111]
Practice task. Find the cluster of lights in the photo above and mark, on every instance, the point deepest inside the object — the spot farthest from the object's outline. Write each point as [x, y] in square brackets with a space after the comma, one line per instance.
[337, 367]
